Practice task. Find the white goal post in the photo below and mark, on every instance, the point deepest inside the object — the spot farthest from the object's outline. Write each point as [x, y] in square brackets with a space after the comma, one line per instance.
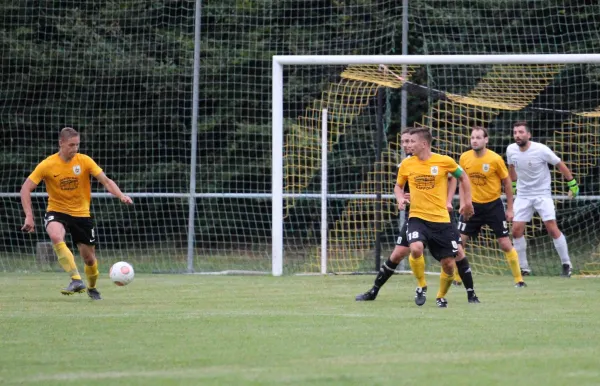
[278, 104]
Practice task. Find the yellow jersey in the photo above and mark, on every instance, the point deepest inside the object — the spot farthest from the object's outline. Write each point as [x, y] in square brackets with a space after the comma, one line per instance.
[67, 183]
[485, 173]
[428, 182]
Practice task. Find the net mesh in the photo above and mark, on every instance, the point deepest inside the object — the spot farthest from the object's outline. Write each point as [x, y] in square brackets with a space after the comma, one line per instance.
[122, 74]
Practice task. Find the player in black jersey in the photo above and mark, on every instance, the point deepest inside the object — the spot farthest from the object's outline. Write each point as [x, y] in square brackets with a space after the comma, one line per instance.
[401, 250]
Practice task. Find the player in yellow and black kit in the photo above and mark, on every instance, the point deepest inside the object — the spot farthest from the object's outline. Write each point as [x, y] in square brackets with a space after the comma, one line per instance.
[67, 178]
[488, 173]
[402, 249]
[429, 221]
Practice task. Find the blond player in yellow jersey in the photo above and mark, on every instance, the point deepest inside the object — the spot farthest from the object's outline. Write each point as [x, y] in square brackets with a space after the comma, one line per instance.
[67, 178]
[402, 248]
[488, 174]
[429, 221]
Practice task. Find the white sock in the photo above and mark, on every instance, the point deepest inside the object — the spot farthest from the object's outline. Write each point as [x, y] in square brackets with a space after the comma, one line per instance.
[563, 250]
[521, 248]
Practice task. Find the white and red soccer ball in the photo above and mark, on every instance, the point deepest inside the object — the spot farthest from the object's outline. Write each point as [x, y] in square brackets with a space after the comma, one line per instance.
[121, 273]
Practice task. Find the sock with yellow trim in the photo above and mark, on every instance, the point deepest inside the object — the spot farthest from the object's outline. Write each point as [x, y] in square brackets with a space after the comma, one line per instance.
[92, 273]
[445, 283]
[66, 260]
[417, 266]
[512, 258]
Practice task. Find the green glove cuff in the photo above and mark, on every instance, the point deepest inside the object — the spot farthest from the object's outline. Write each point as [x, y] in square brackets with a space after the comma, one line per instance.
[572, 183]
[514, 184]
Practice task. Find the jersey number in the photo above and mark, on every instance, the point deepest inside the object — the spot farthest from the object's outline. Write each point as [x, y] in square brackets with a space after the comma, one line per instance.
[462, 226]
[412, 235]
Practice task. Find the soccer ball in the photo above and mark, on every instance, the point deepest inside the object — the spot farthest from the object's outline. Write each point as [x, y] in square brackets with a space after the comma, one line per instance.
[121, 273]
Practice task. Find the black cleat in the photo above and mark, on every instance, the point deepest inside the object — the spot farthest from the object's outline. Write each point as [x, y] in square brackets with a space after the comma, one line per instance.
[525, 272]
[369, 295]
[520, 284]
[441, 302]
[75, 286]
[420, 296]
[472, 297]
[566, 270]
[94, 294]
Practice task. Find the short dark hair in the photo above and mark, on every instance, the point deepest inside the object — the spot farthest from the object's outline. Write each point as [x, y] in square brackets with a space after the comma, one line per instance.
[485, 132]
[406, 130]
[422, 132]
[67, 133]
[521, 123]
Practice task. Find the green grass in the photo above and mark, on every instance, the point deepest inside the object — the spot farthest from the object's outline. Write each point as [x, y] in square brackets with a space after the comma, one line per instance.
[223, 330]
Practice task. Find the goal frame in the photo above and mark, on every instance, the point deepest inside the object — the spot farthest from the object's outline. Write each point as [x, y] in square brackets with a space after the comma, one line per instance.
[278, 63]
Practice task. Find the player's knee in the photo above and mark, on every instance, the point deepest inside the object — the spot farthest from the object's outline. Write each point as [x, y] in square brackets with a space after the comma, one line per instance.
[461, 253]
[88, 254]
[518, 231]
[89, 259]
[505, 244]
[416, 249]
[56, 237]
[448, 265]
[554, 233]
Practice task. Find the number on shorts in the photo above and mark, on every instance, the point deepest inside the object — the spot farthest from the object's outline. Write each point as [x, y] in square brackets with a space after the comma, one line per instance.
[412, 235]
[462, 226]
[399, 241]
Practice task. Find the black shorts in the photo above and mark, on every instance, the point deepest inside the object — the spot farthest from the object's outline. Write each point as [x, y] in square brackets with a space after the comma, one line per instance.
[490, 214]
[442, 238]
[401, 240]
[82, 229]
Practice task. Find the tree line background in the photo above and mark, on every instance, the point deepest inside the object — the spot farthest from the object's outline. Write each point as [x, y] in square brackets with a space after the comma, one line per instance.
[120, 72]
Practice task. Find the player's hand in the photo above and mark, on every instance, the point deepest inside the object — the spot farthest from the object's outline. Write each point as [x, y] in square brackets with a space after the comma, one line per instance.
[402, 203]
[466, 211]
[573, 188]
[509, 215]
[449, 206]
[514, 187]
[407, 197]
[29, 225]
[126, 199]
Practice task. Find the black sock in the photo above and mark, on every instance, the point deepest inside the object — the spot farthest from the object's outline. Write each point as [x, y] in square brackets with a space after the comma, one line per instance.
[464, 271]
[385, 272]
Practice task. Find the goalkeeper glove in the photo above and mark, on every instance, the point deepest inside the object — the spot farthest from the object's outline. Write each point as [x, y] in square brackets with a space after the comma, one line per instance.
[514, 187]
[573, 187]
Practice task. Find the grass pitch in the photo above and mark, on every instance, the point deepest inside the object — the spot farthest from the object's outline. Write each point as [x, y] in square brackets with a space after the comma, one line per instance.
[207, 330]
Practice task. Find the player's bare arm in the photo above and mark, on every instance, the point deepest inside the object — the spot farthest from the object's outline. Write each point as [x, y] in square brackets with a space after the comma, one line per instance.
[400, 197]
[512, 173]
[571, 181]
[507, 183]
[466, 209]
[28, 187]
[112, 187]
[564, 170]
[451, 190]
